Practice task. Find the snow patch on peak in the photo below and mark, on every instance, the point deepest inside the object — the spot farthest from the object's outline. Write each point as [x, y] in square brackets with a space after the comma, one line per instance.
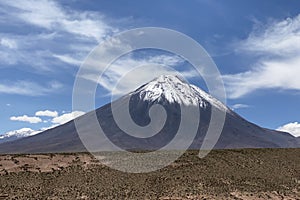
[23, 132]
[174, 89]
[210, 99]
[169, 87]
[169, 78]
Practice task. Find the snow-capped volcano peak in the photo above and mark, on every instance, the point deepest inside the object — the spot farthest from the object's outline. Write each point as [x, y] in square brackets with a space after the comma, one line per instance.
[174, 89]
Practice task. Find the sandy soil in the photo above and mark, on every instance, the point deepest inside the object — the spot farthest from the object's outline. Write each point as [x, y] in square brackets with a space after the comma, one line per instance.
[223, 174]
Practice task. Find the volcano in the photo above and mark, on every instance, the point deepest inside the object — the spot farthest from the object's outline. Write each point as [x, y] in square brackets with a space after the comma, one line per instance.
[171, 92]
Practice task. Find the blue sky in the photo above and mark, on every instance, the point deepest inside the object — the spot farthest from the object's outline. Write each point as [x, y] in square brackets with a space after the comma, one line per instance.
[255, 44]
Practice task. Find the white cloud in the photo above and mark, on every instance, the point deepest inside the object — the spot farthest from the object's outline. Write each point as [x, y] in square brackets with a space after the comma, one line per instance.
[66, 117]
[52, 16]
[9, 43]
[34, 50]
[29, 88]
[46, 113]
[277, 38]
[49, 127]
[68, 59]
[60, 32]
[239, 106]
[25, 118]
[278, 46]
[56, 121]
[278, 74]
[292, 128]
[30, 56]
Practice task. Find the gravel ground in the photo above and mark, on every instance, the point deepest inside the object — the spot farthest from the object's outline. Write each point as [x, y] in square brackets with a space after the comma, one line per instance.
[223, 174]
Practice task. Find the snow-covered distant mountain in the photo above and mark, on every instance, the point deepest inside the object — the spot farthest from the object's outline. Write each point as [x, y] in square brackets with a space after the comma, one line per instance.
[17, 134]
[171, 92]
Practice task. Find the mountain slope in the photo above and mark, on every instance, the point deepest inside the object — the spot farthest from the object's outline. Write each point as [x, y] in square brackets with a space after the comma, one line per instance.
[173, 94]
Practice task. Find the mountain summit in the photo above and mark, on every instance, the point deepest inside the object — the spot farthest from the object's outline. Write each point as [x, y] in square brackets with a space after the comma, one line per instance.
[171, 92]
[170, 88]
[174, 89]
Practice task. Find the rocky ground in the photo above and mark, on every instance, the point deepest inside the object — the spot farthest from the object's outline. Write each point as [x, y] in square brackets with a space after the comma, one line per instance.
[223, 174]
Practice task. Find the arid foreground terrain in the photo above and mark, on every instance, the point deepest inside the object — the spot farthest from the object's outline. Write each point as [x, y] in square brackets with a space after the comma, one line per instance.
[223, 174]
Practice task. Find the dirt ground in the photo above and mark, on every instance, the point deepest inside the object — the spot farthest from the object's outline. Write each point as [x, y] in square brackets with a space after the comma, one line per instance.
[223, 174]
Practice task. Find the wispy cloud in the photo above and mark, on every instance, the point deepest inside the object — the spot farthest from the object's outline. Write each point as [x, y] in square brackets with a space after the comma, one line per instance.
[276, 38]
[239, 106]
[267, 74]
[133, 72]
[68, 59]
[9, 43]
[52, 16]
[277, 46]
[25, 118]
[292, 128]
[29, 88]
[54, 32]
